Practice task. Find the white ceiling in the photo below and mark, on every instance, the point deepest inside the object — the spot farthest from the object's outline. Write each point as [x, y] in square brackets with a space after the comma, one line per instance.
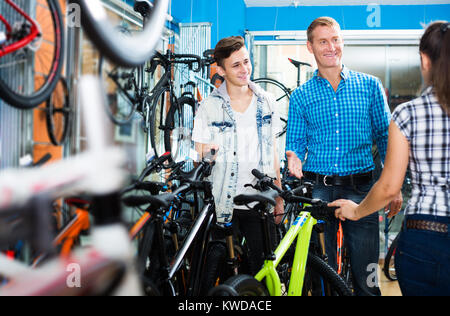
[288, 3]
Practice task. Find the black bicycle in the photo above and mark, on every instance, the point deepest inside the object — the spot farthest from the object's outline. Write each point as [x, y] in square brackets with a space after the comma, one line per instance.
[175, 267]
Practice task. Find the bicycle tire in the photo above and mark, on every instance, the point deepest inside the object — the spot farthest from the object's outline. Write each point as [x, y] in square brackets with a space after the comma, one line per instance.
[246, 285]
[157, 118]
[177, 135]
[124, 51]
[58, 114]
[389, 263]
[121, 109]
[277, 89]
[216, 266]
[318, 275]
[149, 264]
[149, 287]
[45, 74]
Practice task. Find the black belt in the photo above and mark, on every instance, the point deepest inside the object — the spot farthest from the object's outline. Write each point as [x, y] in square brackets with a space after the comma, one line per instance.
[353, 179]
[427, 225]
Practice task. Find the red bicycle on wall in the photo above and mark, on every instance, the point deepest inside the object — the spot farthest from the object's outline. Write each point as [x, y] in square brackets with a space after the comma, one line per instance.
[31, 51]
[32, 42]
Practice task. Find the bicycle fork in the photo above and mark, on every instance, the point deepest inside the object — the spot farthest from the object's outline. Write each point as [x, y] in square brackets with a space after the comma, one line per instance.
[232, 259]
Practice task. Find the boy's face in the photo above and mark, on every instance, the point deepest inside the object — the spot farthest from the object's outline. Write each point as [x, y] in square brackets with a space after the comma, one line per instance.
[237, 69]
[327, 46]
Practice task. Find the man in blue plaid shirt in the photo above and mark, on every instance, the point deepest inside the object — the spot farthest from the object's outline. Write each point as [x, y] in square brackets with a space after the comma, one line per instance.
[334, 119]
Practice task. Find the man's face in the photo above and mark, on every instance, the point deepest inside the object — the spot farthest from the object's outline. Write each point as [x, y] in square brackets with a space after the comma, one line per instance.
[237, 69]
[327, 46]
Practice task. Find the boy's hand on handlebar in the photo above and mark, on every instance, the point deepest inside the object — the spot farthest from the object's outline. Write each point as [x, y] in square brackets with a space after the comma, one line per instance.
[210, 152]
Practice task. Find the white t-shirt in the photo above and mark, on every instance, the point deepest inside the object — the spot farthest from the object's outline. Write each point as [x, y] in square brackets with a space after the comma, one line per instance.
[249, 151]
[248, 154]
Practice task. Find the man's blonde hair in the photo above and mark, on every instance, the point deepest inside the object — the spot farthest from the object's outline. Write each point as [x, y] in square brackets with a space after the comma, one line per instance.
[322, 21]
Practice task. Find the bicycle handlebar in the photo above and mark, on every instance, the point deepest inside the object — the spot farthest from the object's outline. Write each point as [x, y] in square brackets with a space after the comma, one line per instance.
[155, 165]
[297, 195]
[172, 58]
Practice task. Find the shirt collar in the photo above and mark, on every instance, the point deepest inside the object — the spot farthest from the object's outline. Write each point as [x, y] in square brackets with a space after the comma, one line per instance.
[345, 73]
[223, 92]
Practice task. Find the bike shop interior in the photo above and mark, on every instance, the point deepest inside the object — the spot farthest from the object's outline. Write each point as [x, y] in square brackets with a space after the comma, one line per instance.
[381, 38]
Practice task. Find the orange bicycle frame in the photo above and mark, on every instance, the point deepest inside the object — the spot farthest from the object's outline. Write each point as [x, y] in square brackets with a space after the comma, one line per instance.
[340, 248]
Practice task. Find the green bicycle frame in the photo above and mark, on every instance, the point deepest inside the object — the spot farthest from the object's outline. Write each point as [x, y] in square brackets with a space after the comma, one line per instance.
[302, 230]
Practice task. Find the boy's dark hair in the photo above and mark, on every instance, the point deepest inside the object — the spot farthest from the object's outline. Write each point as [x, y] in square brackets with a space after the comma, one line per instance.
[226, 47]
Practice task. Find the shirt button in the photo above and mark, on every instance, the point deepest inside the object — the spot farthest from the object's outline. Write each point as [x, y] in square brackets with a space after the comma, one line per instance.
[337, 132]
[335, 165]
[337, 114]
[337, 148]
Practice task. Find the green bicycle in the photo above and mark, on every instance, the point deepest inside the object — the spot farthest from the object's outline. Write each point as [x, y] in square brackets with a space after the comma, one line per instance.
[289, 270]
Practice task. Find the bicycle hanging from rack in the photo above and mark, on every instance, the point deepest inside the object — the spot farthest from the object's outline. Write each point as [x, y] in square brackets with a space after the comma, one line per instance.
[32, 44]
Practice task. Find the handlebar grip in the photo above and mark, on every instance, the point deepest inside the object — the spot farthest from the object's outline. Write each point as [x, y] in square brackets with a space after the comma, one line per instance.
[166, 156]
[266, 180]
[258, 174]
[322, 211]
[301, 190]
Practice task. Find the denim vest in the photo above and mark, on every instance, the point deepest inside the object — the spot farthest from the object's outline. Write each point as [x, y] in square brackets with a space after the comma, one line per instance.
[222, 124]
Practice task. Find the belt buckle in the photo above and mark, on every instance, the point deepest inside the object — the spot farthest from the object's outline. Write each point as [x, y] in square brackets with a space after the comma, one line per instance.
[325, 181]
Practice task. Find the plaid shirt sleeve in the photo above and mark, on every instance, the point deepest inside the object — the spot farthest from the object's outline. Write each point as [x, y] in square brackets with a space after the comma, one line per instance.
[296, 129]
[380, 118]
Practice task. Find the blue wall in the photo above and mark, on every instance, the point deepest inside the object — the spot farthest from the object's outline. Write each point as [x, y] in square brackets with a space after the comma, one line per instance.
[349, 17]
[227, 20]
[235, 17]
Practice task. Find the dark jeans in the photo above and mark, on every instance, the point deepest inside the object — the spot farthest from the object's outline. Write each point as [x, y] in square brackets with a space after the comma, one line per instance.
[361, 238]
[422, 260]
[248, 224]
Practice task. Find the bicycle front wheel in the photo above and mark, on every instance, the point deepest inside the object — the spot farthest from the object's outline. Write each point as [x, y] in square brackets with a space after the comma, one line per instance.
[58, 114]
[125, 51]
[29, 75]
[389, 261]
[179, 125]
[246, 285]
[162, 102]
[322, 280]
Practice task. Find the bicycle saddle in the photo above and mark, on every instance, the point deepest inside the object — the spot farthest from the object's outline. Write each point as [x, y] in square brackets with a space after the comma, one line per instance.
[268, 196]
[156, 201]
[298, 63]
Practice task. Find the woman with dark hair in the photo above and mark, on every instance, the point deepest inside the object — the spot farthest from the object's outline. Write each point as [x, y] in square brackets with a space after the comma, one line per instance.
[419, 138]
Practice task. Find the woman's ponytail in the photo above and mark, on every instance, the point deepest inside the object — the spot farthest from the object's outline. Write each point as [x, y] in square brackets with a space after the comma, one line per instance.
[435, 43]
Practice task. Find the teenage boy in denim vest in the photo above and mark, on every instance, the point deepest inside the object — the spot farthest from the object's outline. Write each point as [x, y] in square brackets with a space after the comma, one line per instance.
[238, 120]
[334, 119]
